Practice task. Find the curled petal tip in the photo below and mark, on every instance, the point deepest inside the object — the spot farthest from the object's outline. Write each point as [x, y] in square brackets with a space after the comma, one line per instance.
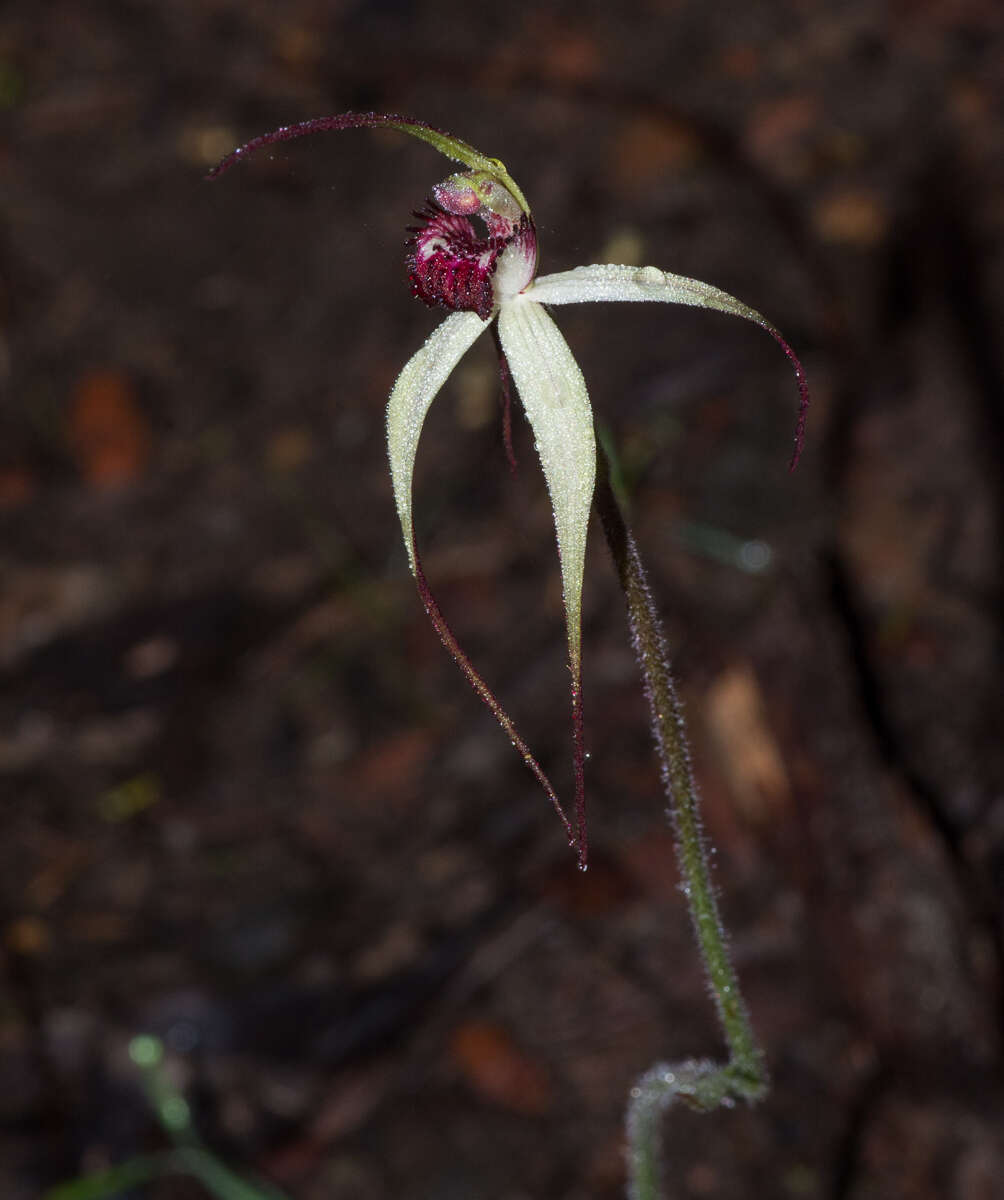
[803, 395]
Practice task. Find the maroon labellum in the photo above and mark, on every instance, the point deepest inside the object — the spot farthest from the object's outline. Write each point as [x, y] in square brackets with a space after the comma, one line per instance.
[449, 265]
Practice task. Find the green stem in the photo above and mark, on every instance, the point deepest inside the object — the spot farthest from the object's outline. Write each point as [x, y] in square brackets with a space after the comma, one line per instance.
[702, 1084]
[215, 1177]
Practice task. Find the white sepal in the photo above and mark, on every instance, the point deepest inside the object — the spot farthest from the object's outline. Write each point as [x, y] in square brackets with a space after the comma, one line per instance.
[554, 396]
[413, 393]
[609, 282]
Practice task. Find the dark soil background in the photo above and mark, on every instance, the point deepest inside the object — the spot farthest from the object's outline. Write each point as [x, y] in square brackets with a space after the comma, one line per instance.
[250, 805]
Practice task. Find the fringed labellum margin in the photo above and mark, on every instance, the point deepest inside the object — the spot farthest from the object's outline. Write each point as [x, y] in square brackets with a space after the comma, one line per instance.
[449, 265]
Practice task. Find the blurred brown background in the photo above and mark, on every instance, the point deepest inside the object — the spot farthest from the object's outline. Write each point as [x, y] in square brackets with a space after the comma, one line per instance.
[248, 802]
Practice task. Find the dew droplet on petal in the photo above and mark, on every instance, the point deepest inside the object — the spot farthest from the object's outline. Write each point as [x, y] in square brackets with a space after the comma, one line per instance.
[649, 277]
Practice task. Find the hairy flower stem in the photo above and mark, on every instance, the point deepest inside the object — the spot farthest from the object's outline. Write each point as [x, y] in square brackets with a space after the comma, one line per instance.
[703, 1085]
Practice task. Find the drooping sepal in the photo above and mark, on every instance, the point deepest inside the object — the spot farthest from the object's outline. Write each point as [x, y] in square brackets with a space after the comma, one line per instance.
[557, 406]
[413, 393]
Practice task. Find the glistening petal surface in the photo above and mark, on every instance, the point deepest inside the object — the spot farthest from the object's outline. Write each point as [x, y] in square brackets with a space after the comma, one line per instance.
[554, 395]
[414, 391]
[607, 281]
[416, 388]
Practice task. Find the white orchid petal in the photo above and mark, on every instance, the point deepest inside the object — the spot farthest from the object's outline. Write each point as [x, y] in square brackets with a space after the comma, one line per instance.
[413, 393]
[554, 395]
[607, 281]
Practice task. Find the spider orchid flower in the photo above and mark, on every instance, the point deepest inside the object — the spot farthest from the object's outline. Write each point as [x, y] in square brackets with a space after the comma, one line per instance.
[488, 279]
